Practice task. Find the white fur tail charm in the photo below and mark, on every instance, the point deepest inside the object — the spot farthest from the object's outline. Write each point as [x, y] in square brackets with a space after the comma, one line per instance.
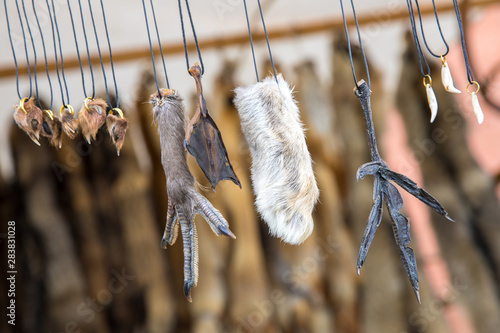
[282, 174]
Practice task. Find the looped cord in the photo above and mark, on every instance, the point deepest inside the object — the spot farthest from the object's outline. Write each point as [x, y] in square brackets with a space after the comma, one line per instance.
[194, 36]
[360, 45]
[439, 28]
[470, 78]
[420, 53]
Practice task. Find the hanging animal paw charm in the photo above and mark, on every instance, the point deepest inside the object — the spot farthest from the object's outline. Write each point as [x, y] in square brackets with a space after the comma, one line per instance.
[446, 77]
[431, 98]
[52, 128]
[184, 202]
[29, 118]
[117, 127]
[475, 103]
[92, 116]
[69, 122]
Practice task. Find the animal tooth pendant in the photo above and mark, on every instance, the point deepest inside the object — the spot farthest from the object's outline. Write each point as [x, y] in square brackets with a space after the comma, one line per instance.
[475, 103]
[117, 127]
[70, 123]
[52, 128]
[431, 97]
[91, 117]
[184, 202]
[29, 118]
[446, 77]
[282, 174]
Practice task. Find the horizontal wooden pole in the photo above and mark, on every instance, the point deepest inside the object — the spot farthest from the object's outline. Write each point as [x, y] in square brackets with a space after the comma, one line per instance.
[315, 26]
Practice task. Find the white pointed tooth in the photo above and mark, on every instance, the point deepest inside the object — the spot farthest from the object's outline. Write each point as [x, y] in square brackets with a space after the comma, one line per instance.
[448, 80]
[431, 98]
[477, 108]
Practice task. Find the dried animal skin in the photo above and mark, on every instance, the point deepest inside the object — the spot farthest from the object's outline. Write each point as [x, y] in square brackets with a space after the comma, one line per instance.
[184, 202]
[52, 128]
[91, 117]
[477, 108]
[69, 122]
[117, 127]
[28, 117]
[447, 79]
[282, 174]
[431, 98]
[204, 140]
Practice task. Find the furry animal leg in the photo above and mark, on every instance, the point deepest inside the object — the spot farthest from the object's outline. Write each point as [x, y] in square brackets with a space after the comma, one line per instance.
[282, 174]
[91, 117]
[183, 200]
[29, 118]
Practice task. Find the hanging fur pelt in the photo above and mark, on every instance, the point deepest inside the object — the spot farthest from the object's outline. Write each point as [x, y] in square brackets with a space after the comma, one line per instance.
[282, 174]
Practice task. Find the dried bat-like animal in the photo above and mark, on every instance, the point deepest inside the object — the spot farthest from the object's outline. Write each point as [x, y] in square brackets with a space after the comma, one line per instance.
[384, 191]
[204, 141]
[282, 174]
[29, 118]
[91, 117]
[69, 122]
[184, 202]
[52, 128]
[117, 127]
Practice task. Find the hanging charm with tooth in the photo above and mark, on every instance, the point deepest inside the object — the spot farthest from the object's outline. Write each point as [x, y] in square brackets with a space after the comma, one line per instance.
[475, 102]
[446, 77]
[117, 127]
[431, 97]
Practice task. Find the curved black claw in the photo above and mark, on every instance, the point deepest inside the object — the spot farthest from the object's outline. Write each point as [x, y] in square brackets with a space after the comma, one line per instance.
[225, 231]
[368, 169]
[411, 187]
[373, 223]
[187, 290]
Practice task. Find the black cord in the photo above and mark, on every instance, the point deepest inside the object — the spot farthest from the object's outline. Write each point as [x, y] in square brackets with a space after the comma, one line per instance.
[25, 48]
[34, 53]
[12, 48]
[110, 59]
[360, 45]
[420, 53]
[44, 55]
[267, 40]
[77, 48]
[439, 28]
[194, 36]
[55, 51]
[462, 40]
[99, 50]
[251, 41]
[151, 48]
[159, 43]
[88, 52]
[61, 54]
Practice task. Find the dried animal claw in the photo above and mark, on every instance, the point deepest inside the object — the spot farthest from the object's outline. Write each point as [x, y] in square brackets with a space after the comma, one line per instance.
[384, 191]
[117, 127]
[29, 118]
[91, 117]
[52, 128]
[69, 122]
[184, 202]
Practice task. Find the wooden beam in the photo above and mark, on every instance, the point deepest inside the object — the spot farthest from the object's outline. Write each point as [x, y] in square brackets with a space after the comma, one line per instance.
[287, 31]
